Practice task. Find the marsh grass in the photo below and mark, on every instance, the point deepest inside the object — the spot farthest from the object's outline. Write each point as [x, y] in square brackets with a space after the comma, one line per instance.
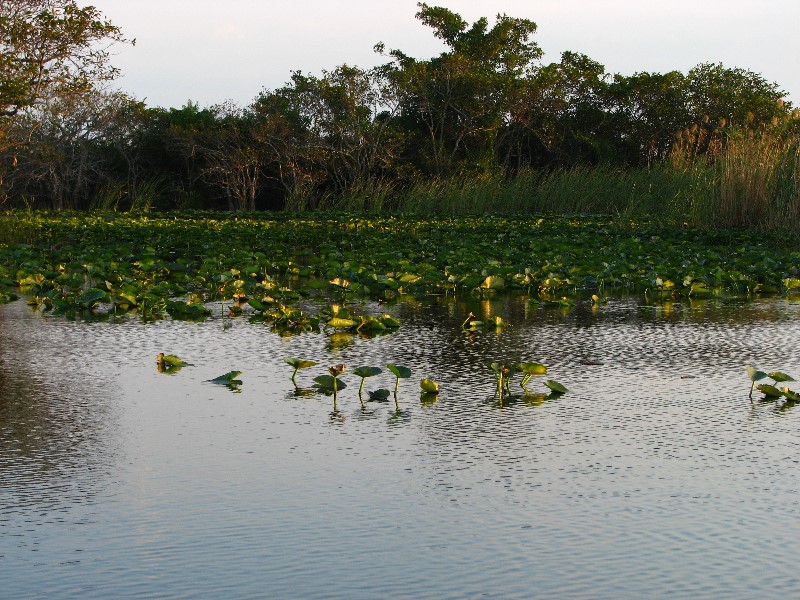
[750, 180]
[758, 183]
[658, 191]
[21, 227]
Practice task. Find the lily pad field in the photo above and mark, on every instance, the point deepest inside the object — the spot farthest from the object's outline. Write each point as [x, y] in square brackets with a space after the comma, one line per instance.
[204, 405]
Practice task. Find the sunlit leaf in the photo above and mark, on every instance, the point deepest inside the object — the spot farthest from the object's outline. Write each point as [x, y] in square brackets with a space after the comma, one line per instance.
[770, 391]
[429, 386]
[338, 323]
[172, 360]
[532, 368]
[779, 377]
[298, 363]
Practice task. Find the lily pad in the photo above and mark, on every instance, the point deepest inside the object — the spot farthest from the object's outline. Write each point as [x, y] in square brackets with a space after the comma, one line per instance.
[556, 387]
[171, 360]
[532, 368]
[327, 382]
[779, 377]
[367, 371]
[229, 377]
[298, 363]
[379, 395]
[399, 371]
[770, 391]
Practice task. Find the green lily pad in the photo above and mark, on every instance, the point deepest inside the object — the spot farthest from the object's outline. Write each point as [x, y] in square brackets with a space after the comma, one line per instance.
[770, 391]
[779, 377]
[399, 371]
[91, 297]
[326, 382]
[389, 321]
[379, 395]
[790, 394]
[367, 371]
[298, 363]
[229, 377]
[339, 323]
[556, 387]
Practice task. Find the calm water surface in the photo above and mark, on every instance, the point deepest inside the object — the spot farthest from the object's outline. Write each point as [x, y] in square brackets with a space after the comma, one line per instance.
[655, 476]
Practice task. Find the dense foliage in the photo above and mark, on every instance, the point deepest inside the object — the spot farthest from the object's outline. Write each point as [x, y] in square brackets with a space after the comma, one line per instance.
[180, 262]
[486, 107]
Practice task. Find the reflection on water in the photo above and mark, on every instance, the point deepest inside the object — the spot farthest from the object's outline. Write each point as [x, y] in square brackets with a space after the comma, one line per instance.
[655, 472]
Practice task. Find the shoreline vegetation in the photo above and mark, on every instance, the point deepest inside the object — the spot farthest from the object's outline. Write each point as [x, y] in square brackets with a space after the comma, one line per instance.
[485, 127]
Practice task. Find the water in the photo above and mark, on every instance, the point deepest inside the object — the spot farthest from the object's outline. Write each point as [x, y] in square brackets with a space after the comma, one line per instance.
[655, 476]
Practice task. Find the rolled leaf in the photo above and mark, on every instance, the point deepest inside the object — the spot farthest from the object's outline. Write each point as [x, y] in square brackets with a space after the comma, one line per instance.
[429, 387]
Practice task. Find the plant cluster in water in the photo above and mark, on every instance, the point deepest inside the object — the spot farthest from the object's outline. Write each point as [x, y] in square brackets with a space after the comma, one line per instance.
[181, 264]
[771, 391]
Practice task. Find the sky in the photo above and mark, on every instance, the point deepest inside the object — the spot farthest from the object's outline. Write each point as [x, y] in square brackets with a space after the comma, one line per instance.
[213, 51]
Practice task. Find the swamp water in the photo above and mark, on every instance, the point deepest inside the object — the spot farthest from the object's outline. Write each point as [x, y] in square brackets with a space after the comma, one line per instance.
[655, 476]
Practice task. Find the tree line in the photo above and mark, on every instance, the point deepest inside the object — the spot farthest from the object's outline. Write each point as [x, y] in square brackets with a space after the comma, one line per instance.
[486, 105]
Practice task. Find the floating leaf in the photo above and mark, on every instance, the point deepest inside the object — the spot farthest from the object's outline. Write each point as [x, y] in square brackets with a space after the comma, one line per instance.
[499, 322]
[339, 323]
[493, 282]
[556, 387]
[171, 360]
[91, 297]
[257, 305]
[770, 391]
[298, 363]
[328, 382]
[379, 395]
[229, 377]
[779, 377]
[389, 321]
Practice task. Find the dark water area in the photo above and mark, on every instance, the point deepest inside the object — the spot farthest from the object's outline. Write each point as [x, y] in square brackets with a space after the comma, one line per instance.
[655, 476]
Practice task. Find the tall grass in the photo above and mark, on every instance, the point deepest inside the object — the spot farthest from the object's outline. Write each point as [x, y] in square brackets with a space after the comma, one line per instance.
[757, 182]
[659, 191]
[749, 179]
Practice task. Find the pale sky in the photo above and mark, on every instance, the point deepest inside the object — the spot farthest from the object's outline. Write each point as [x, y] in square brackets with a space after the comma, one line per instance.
[210, 51]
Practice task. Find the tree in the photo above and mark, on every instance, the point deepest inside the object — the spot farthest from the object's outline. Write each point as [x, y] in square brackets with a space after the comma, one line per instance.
[51, 49]
[455, 104]
[556, 116]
